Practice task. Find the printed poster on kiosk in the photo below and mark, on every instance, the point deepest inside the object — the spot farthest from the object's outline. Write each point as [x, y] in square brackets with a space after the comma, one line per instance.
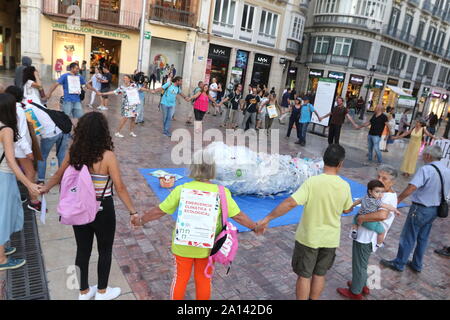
[197, 218]
[326, 89]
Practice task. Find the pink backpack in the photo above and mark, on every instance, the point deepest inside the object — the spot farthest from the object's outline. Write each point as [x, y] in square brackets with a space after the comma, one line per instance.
[226, 243]
[78, 203]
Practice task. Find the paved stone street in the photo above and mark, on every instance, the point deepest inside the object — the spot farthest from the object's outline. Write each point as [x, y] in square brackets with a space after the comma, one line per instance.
[143, 264]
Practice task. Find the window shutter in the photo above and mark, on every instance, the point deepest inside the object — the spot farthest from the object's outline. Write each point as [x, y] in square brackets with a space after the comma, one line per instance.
[361, 49]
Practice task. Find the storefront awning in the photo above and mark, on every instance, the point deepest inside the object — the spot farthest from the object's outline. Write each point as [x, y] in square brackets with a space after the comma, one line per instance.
[399, 91]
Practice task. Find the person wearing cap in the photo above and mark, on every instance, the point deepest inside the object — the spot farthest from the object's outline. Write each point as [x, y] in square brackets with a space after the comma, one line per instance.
[415, 142]
[306, 112]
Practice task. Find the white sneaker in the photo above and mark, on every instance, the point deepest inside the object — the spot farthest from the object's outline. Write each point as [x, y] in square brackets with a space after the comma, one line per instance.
[110, 294]
[91, 106]
[99, 107]
[118, 135]
[89, 295]
[133, 134]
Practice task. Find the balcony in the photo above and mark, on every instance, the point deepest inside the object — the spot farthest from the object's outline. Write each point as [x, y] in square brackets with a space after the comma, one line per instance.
[381, 68]
[359, 63]
[351, 21]
[340, 60]
[400, 35]
[95, 13]
[182, 14]
[292, 46]
[318, 58]
[266, 39]
[414, 2]
[394, 72]
[427, 7]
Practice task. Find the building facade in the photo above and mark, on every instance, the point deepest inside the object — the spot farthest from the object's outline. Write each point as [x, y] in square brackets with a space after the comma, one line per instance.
[249, 42]
[380, 49]
[95, 31]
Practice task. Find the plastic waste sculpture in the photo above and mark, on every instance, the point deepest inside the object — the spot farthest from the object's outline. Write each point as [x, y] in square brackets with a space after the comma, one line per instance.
[244, 171]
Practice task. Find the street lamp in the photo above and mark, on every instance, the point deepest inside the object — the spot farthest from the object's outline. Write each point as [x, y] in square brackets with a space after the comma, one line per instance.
[371, 74]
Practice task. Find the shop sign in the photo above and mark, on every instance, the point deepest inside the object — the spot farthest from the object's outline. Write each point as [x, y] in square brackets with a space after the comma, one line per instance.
[339, 76]
[406, 101]
[426, 92]
[354, 79]
[219, 52]
[237, 71]
[263, 59]
[94, 31]
[436, 94]
[406, 85]
[292, 70]
[392, 82]
[378, 83]
[315, 73]
[147, 35]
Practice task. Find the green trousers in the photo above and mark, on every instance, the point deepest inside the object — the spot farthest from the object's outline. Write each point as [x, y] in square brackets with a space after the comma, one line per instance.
[360, 260]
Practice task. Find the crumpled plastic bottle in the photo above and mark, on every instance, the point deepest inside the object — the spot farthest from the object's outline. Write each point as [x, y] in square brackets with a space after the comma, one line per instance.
[244, 171]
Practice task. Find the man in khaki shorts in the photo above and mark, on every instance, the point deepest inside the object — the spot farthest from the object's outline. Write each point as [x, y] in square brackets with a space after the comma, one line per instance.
[325, 197]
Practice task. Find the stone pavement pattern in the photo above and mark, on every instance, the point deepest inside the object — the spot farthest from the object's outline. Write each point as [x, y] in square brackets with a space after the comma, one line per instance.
[143, 263]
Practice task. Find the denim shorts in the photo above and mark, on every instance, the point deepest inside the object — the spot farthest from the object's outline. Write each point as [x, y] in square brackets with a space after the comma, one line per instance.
[73, 109]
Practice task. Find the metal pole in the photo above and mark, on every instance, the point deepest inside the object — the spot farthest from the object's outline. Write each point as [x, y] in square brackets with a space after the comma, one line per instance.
[141, 37]
[363, 109]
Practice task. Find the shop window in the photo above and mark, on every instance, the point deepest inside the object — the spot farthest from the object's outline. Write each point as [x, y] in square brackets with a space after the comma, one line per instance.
[297, 28]
[342, 46]
[322, 45]
[224, 12]
[268, 25]
[247, 18]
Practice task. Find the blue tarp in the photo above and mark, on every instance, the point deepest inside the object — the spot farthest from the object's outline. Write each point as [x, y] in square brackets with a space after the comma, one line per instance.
[255, 207]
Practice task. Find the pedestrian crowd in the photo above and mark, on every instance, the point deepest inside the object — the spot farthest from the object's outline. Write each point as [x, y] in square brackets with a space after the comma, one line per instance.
[85, 151]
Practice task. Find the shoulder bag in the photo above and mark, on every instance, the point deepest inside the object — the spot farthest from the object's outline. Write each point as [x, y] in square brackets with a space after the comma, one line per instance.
[443, 207]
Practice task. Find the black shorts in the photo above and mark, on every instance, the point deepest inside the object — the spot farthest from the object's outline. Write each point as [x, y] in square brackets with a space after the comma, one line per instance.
[199, 115]
[307, 261]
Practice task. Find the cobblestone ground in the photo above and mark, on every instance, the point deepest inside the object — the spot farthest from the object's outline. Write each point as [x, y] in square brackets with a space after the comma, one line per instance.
[262, 268]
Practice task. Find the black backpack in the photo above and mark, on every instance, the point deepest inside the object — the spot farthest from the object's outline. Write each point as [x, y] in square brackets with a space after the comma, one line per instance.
[61, 119]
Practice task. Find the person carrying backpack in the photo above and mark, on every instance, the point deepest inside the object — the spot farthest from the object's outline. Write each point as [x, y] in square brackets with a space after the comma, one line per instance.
[86, 176]
[11, 209]
[202, 170]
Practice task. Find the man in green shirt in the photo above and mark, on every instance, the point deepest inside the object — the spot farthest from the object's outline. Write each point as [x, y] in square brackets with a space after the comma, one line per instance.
[324, 197]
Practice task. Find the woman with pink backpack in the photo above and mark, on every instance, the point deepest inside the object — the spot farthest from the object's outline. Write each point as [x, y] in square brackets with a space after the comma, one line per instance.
[195, 254]
[92, 168]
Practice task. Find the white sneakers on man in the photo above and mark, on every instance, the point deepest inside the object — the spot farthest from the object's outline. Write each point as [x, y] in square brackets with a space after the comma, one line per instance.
[110, 294]
[133, 134]
[103, 108]
[89, 295]
[118, 135]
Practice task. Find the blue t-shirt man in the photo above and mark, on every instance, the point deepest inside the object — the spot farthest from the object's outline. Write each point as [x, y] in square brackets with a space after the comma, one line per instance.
[306, 112]
[64, 82]
[169, 97]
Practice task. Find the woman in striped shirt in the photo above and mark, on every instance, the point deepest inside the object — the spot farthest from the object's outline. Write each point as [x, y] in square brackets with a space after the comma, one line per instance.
[92, 146]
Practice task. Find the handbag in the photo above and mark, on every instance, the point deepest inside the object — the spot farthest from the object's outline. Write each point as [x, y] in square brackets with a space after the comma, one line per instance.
[443, 207]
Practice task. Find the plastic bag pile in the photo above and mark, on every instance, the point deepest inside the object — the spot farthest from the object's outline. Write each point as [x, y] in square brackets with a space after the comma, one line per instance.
[244, 171]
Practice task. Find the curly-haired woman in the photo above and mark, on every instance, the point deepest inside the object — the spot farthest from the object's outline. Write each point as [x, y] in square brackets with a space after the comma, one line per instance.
[32, 84]
[92, 146]
[11, 210]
